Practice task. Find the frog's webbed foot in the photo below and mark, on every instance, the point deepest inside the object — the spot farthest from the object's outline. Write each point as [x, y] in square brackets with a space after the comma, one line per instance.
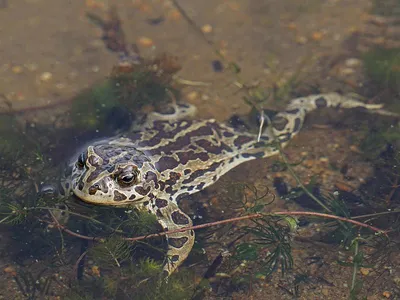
[179, 244]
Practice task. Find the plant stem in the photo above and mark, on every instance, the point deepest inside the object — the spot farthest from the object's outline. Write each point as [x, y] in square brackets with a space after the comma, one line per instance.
[237, 219]
[299, 181]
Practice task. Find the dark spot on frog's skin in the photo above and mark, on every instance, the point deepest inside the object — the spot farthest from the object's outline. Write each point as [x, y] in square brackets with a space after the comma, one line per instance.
[140, 190]
[199, 173]
[227, 134]
[175, 258]
[214, 178]
[179, 218]
[321, 102]
[186, 156]
[212, 148]
[255, 155]
[203, 131]
[284, 138]
[93, 189]
[292, 111]
[177, 242]
[173, 178]
[94, 160]
[167, 163]
[67, 186]
[133, 196]
[190, 188]
[159, 213]
[151, 176]
[95, 174]
[160, 203]
[111, 169]
[145, 203]
[162, 185]
[169, 190]
[242, 139]
[297, 125]
[187, 171]
[200, 186]
[80, 186]
[118, 196]
[279, 123]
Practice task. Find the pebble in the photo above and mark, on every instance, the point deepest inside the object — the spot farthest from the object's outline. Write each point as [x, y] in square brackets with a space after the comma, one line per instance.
[317, 36]
[96, 271]
[174, 15]
[192, 95]
[10, 270]
[352, 62]
[364, 271]
[217, 66]
[145, 41]
[301, 40]
[46, 76]
[16, 69]
[324, 159]
[292, 26]
[325, 292]
[346, 71]
[205, 97]
[60, 86]
[31, 67]
[206, 28]
[386, 294]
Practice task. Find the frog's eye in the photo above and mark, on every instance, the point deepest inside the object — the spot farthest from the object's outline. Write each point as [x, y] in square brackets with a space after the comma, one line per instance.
[81, 161]
[126, 178]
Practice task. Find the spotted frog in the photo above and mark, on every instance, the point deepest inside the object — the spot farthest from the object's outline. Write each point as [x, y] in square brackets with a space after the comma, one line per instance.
[172, 157]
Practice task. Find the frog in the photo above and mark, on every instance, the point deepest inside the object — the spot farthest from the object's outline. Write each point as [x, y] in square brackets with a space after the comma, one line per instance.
[172, 156]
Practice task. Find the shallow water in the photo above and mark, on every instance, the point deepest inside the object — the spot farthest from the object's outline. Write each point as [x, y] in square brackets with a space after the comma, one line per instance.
[61, 88]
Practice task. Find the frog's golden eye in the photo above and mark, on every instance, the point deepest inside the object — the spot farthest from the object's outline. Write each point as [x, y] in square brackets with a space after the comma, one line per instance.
[126, 179]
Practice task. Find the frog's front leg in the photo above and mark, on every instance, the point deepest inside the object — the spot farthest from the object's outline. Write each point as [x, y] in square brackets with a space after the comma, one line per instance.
[179, 244]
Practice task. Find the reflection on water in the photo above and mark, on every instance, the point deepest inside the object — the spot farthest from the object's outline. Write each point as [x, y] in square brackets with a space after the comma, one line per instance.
[55, 245]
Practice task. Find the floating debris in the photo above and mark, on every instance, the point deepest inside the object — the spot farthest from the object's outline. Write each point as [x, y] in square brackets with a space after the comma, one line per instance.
[156, 21]
[145, 41]
[207, 28]
[217, 66]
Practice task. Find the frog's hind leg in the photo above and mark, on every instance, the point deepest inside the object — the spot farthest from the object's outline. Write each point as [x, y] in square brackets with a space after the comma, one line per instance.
[180, 244]
[286, 124]
[173, 112]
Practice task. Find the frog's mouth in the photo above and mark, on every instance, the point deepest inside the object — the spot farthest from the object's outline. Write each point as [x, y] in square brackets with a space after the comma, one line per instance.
[115, 199]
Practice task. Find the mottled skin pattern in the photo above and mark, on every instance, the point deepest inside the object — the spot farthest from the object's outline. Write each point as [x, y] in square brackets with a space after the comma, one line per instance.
[171, 158]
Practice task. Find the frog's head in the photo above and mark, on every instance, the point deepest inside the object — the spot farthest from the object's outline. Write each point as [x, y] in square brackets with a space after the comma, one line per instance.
[113, 174]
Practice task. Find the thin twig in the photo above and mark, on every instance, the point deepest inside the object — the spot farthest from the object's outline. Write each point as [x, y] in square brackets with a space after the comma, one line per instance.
[231, 220]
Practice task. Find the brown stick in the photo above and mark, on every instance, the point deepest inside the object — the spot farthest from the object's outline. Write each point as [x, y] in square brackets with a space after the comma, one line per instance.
[232, 220]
